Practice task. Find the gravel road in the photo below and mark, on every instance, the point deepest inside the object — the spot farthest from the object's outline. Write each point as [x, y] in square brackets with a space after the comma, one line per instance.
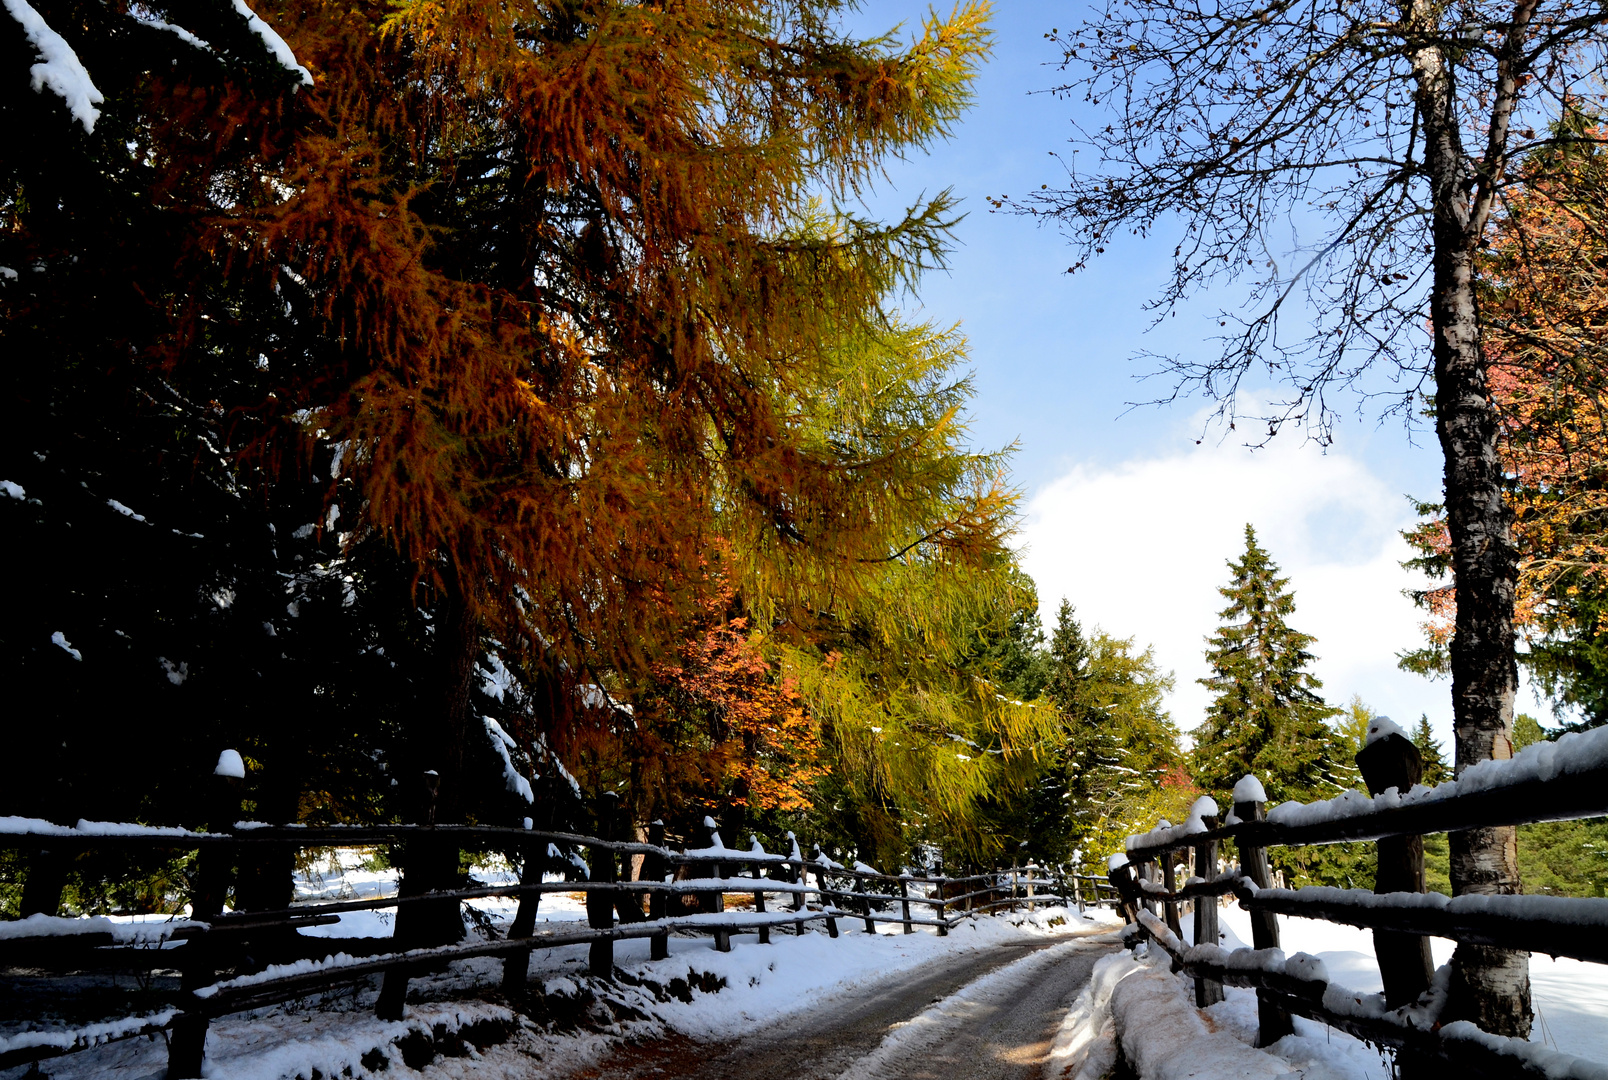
[988, 1014]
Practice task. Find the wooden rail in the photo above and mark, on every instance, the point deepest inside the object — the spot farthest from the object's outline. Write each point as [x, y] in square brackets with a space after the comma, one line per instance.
[836, 893]
[1558, 782]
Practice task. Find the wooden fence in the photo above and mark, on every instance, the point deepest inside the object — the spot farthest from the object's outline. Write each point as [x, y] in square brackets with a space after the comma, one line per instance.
[1556, 782]
[217, 942]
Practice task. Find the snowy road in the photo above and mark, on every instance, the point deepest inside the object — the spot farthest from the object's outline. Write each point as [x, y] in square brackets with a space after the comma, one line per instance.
[985, 1014]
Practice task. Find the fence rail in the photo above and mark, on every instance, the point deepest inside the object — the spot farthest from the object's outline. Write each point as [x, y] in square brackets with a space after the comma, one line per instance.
[614, 911]
[1551, 782]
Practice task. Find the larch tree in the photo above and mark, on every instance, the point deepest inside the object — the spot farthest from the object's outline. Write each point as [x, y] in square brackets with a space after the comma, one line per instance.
[536, 302]
[1350, 154]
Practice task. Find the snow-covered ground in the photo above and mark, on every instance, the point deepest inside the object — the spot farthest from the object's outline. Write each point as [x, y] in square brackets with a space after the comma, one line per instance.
[1571, 997]
[448, 1031]
[1151, 1011]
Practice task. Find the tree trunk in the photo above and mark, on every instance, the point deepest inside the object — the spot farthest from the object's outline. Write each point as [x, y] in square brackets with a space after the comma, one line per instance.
[1490, 986]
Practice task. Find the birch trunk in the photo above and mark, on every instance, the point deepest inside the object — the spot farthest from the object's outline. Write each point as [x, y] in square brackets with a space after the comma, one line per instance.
[1490, 986]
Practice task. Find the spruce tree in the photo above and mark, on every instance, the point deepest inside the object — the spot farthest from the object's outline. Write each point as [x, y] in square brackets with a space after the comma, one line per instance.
[1266, 716]
[1435, 770]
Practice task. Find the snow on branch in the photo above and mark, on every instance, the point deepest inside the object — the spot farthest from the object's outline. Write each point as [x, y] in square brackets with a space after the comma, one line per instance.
[59, 69]
[502, 742]
[276, 44]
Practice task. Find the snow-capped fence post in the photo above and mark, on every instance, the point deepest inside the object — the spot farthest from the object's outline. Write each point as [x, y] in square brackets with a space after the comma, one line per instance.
[759, 893]
[865, 903]
[214, 864]
[656, 868]
[940, 910]
[826, 898]
[1273, 1022]
[1207, 991]
[602, 871]
[904, 901]
[795, 871]
[1392, 761]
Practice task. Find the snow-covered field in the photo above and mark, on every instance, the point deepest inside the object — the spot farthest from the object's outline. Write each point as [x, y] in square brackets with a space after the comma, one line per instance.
[1571, 997]
[1152, 1012]
[449, 1032]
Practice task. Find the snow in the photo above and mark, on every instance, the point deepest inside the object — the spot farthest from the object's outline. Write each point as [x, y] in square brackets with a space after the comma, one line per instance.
[87, 1036]
[60, 639]
[502, 742]
[125, 511]
[59, 69]
[275, 43]
[149, 18]
[123, 932]
[1570, 996]
[1204, 807]
[14, 490]
[1249, 789]
[9, 274]
[230, 764]
[1381, 727]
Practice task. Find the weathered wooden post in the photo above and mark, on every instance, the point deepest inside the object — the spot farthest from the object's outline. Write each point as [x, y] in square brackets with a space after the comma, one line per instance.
[516, 966]
[1250, 805]
[1169, 880]
[421, 852]
[827, 899]
[656, 867]
[602, 869]
[904, 901]
[1390, 760]
[865, 903]
[715, 900]
[1207, 991]
[795, 870]
[215, 863]
[759, 892]
[941, 912]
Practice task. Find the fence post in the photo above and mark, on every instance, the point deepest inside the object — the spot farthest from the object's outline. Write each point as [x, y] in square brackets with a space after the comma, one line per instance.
[865, 901]
[1273, 1023]
[1207, 991]
[716, 901]
[187, 1048]
[420, 857]
[819, 860]
[602, 870]
[516, 966]
[1404, 961]
[657, 868]
[795, 870]
[942, 910]
[904, 901]
[759, 892]
[1169, 879]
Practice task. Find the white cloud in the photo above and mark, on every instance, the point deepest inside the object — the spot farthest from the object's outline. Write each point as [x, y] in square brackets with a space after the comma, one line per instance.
[1141, 548]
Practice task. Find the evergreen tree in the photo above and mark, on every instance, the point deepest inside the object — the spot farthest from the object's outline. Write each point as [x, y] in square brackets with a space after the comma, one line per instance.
[1265, 716]
[1429, 749]
[1118, 766]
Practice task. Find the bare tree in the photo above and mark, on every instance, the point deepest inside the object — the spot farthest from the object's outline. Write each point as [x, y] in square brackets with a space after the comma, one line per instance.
[1388, 128]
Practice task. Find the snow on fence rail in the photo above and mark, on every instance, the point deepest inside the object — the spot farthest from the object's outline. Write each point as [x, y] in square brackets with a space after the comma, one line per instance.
[1557, 781]
[212, 938]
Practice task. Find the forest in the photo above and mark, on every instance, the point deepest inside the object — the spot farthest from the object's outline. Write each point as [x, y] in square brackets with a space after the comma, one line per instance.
[521, 394]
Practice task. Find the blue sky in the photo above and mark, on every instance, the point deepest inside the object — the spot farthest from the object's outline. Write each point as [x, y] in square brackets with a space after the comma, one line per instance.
[1124, 514]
